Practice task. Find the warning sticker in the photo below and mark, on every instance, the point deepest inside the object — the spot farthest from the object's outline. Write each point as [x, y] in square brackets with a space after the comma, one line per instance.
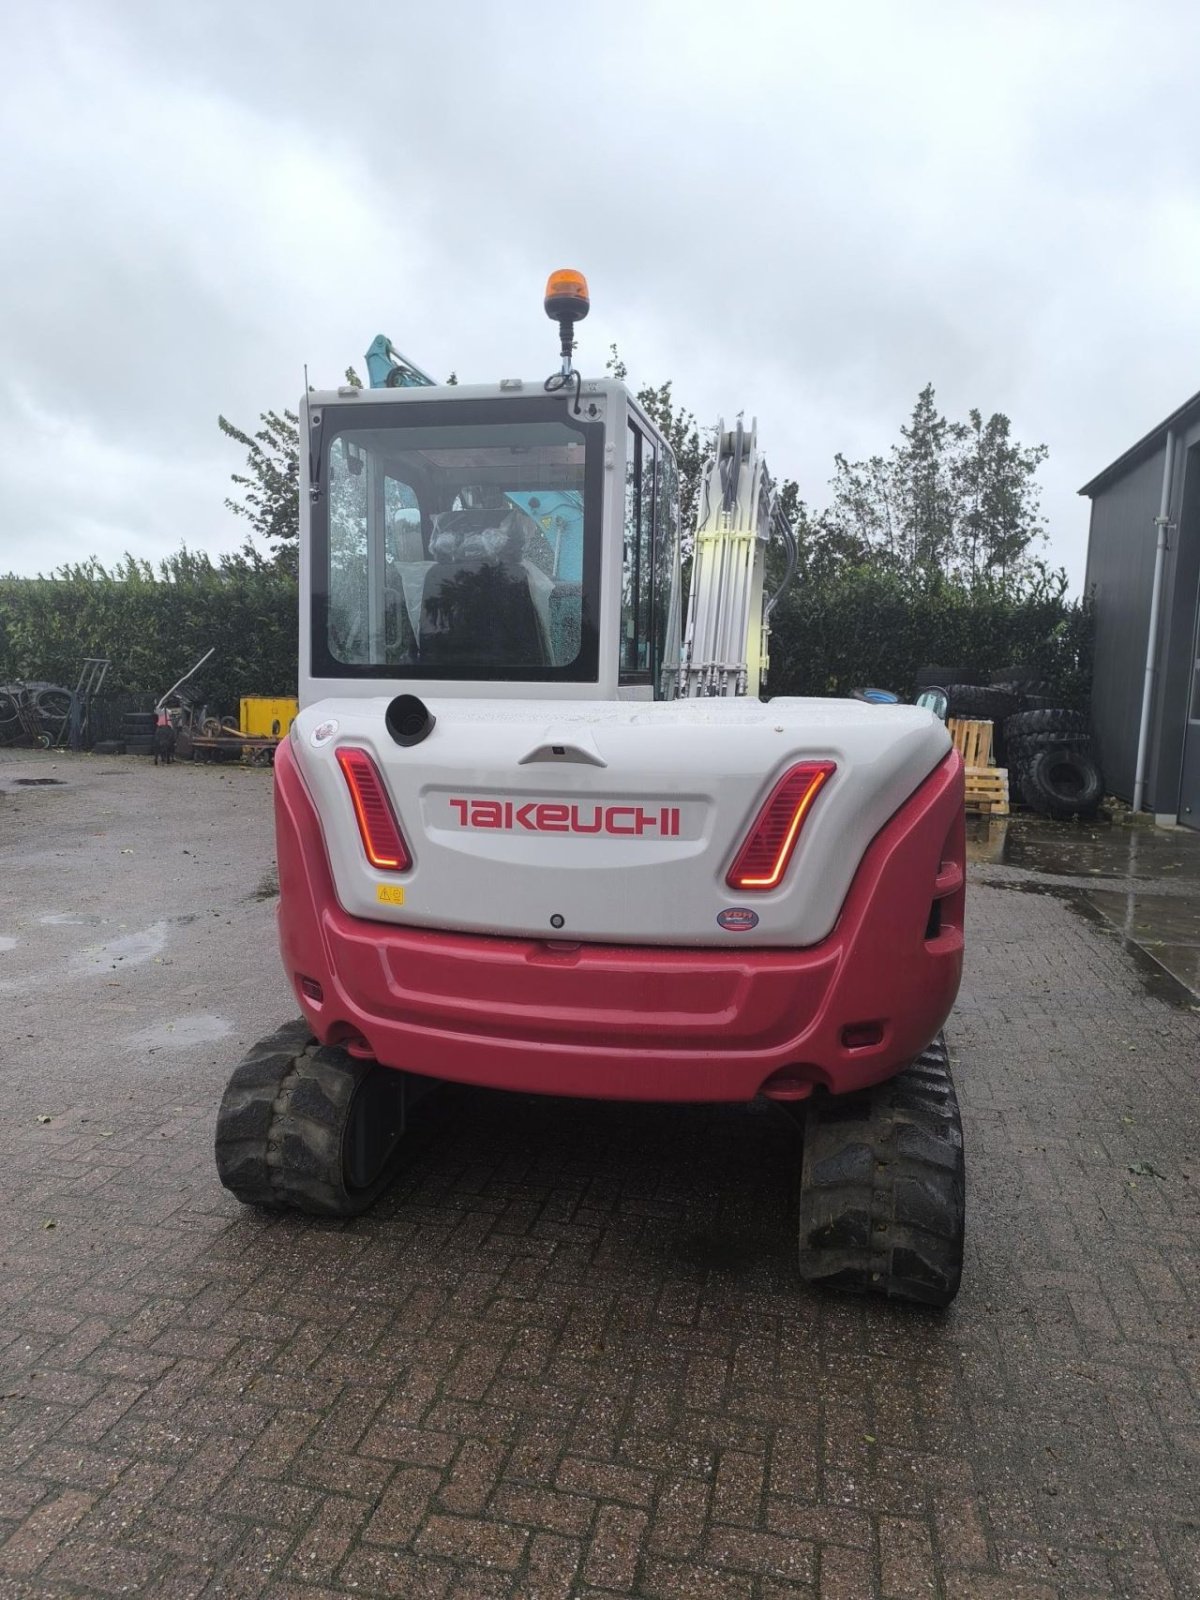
[391, 894]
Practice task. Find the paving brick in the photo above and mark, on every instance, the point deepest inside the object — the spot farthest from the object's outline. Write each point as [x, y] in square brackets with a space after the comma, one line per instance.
[570, 1342]
[770, 1553]
[103, 1567]
[39, 1535]
[677, 1580]
[551, 1569]
[402, 1506]
[325, 1542]
[372, 1570]
[845, 1574]
[472, 1477]
[905, 1558]
[616, 1548]
[488, 1544]
[531, 1507]
[606, 1481]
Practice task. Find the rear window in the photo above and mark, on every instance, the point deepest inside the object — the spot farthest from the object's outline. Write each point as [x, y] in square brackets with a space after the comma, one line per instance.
[457, 540]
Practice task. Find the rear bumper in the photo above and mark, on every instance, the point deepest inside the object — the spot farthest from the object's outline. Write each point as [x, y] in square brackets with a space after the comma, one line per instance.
[638, 1022]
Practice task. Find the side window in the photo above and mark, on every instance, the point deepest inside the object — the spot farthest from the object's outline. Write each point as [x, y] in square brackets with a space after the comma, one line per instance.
[666, 578]
[374, 531]
[637, 576]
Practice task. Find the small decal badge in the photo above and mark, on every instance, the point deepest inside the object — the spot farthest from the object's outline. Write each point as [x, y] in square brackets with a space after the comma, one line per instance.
[737, 919]
[323, 734]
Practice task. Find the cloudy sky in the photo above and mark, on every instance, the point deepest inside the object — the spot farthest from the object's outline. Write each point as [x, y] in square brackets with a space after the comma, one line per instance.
[804, 210]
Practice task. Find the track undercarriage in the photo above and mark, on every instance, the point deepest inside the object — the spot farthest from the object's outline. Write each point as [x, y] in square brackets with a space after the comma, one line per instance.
[310, 1128]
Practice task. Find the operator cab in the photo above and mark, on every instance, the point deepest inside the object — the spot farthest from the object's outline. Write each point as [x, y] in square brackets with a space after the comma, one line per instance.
[505, 540]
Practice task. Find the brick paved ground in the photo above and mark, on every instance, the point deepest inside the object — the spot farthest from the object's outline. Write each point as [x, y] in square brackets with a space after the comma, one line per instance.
[566, 1356]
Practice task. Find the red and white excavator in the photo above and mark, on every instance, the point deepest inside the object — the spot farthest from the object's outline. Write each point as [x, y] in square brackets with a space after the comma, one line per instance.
[534, 834]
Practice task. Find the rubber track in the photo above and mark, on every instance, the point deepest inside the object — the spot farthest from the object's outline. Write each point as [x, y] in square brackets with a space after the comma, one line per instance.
[882, 1192]
[280, 1129]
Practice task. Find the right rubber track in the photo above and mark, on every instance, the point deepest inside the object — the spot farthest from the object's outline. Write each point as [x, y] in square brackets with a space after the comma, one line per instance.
[882, 1192]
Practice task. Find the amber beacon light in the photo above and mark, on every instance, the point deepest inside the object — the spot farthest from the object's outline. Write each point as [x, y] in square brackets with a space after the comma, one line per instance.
[567, 303]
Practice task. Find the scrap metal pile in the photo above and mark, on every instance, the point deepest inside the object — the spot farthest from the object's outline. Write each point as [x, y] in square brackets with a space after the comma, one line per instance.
[36, 714]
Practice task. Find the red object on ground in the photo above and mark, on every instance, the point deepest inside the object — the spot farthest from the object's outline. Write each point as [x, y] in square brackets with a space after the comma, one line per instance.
[641, 1022]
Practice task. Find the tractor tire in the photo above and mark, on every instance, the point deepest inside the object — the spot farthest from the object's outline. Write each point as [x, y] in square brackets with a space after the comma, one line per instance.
[981, 702]
[935, 677]
[1062, 783]
[139, 744]
[1023, 680]
[137, 719]
[1055, 720]
[307, 1127]
[1021, 751]
[109, 747]
[883, 1188]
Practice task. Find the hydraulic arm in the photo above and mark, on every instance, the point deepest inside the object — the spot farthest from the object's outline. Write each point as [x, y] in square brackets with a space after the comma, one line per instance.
[728, 620]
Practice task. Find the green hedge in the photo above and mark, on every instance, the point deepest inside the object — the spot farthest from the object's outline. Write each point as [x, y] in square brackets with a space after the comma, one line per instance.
[153, 624]
[831, 633]
[860, 627]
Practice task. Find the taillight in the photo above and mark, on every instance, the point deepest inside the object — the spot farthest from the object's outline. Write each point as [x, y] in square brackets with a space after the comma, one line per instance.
[763, 858]
[381, 836]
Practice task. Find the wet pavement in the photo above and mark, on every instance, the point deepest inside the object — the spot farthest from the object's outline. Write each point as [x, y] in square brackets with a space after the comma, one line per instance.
[1143, 881]
[567, 1356]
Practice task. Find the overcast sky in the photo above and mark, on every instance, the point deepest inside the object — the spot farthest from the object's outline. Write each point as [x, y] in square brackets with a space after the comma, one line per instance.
[803, 211]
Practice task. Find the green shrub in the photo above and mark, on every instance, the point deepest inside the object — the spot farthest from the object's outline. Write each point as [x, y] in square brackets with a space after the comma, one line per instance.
[833, 631]
[154, 623]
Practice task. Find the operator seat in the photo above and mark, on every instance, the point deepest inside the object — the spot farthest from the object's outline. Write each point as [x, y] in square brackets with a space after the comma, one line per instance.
[479, 611]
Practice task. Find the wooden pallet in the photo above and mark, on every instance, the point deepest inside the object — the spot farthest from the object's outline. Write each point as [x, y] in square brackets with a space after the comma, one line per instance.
[986, 785]
[987, 791]
[972, 740]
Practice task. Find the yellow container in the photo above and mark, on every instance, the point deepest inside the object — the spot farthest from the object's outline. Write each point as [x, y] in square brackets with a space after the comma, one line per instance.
[262, 718]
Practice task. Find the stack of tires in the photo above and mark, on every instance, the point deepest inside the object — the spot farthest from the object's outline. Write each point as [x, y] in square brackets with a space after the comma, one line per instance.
[1046, 748]
[137, 732]
[1050, 756]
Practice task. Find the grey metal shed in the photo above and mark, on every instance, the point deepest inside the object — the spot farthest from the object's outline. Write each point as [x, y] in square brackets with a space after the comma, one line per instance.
[1143, 571]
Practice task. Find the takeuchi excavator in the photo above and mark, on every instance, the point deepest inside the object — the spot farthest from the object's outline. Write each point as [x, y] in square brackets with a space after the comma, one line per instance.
[538, 831]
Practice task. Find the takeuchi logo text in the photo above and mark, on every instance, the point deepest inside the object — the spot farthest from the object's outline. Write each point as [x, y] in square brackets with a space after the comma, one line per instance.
[548, 816]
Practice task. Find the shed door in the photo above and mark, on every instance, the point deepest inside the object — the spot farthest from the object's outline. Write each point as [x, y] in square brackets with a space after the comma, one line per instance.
[1189, 786]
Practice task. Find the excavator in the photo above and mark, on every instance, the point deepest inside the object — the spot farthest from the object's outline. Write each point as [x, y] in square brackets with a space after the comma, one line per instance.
[538, 829]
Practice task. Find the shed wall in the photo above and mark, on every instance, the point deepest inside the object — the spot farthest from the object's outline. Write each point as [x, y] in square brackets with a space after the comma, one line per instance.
[1120, 573]
[1178, 628]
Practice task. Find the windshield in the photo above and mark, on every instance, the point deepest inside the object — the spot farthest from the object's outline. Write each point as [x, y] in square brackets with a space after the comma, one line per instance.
[458, 540]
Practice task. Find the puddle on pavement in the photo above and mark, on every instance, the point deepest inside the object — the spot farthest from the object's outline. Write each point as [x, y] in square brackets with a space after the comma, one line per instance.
[181, 1033]
[129, 951]
[1086, 849]
[1140, 883]
[37, 783]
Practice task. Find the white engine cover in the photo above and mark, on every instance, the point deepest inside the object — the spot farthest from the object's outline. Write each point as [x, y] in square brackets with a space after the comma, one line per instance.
[619, 818]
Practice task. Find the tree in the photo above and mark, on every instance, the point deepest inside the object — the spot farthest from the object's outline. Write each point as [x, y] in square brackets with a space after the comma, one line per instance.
[270, 485]
[681, 431]
[954, 500]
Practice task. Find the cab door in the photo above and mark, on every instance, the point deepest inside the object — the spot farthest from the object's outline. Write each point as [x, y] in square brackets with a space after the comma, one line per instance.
[649, 638]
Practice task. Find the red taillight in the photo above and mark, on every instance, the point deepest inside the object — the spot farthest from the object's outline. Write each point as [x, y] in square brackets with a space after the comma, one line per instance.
[763, 858]
[381, 836]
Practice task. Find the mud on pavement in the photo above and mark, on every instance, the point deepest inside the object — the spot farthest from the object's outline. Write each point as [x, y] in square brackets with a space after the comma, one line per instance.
[567, 1354]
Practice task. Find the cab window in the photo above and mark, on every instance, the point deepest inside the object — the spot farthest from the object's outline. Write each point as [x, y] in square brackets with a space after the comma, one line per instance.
[649, 560]
[637, 575]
